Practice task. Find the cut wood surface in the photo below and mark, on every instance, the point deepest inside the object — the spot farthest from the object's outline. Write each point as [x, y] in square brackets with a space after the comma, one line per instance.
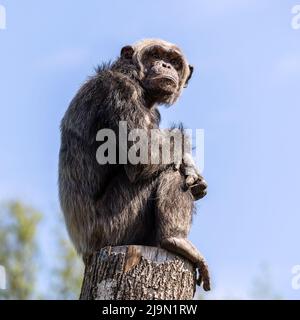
[137, 273]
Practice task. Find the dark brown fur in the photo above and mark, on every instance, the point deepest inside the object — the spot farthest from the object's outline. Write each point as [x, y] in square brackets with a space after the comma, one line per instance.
[123, 204]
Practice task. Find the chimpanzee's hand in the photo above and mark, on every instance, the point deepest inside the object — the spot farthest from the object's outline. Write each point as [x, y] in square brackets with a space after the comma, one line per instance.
[194, 181]
[197, 185]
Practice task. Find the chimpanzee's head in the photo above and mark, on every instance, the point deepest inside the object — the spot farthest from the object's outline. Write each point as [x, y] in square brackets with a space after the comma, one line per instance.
[163, 69]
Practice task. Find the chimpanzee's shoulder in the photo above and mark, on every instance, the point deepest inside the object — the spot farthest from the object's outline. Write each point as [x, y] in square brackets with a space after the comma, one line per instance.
[107, 78]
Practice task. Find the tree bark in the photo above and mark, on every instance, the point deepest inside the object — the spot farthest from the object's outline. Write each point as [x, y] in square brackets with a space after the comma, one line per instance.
[137, 273]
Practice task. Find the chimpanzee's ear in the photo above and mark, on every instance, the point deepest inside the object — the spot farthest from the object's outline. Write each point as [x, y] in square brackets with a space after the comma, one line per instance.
[190, 75]
[127, 52]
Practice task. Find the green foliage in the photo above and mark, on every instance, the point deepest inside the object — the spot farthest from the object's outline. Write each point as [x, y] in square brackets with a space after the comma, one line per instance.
[20, 255]
[262, 286]
[69, 274]
[18, 249]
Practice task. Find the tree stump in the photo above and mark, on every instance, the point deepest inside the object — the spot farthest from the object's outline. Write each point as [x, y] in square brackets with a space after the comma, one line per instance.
[137, 273]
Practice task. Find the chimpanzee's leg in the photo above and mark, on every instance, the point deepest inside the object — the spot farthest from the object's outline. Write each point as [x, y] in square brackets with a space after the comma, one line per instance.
[174, 209]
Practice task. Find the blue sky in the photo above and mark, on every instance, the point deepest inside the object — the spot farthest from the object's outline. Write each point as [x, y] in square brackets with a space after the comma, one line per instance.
[244, 94]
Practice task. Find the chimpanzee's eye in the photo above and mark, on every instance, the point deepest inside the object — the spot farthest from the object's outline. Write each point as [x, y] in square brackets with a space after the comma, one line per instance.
[155, 56]
[175, 63]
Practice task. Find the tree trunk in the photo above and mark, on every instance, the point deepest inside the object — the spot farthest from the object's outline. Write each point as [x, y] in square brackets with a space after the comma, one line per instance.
[137, 273]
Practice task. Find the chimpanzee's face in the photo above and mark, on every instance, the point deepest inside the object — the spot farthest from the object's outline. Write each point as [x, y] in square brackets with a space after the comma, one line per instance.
[164, 70]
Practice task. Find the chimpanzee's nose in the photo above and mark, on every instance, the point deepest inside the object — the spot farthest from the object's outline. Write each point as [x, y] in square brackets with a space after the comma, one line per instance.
[166, 65]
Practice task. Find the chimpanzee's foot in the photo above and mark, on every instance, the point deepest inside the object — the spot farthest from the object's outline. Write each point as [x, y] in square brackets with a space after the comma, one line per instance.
[186, 249]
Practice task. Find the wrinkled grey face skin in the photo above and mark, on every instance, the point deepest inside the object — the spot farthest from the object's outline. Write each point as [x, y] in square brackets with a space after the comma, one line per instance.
[162, 69]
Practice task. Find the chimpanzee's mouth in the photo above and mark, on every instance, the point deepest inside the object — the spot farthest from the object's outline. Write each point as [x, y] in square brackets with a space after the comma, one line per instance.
[167, 79]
